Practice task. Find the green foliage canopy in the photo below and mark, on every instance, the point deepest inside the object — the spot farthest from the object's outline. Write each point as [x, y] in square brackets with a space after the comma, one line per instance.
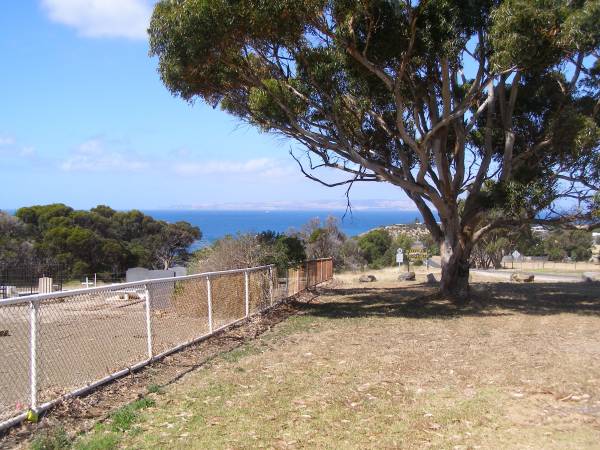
[468, 107]
[101, 240]
[374, 246]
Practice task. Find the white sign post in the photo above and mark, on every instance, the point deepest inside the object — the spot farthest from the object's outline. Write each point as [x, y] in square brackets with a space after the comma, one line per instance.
[516, 255]
[399, 256]
[400, 259]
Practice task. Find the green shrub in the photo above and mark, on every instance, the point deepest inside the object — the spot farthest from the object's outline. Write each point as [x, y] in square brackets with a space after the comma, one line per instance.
[123, 418]
[55, 439]
[155, 389]
[375, 246]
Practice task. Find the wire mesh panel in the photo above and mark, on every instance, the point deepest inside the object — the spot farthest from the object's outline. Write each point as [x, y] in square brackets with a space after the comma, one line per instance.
[179, 312]
[317, 272]
[228, 298]
[302, 278]
[85, 337]
[308, 274]
[292, 282]
[23, 279]
[259, 286]
[280, 284]
[80, 338]
[14, 360]
[316, 269]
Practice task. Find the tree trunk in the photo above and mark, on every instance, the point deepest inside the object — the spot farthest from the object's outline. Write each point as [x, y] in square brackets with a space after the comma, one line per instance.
[456, 244]
[455, 270]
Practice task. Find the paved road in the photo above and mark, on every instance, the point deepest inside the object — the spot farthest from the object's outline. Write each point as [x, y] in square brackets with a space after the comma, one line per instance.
[505, 275]
[434, 264]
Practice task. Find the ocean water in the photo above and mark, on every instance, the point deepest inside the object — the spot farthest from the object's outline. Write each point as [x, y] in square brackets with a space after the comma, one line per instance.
[216, 224]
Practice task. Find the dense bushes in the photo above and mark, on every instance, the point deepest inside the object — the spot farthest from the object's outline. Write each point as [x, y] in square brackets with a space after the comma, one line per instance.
[314, 240]
[374, 246]
[573, 244]
[379, 247]
[250, 250]
[557, 245]
[99, 240]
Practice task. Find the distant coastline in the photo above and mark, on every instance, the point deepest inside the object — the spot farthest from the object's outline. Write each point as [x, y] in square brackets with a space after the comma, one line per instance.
[215, 224]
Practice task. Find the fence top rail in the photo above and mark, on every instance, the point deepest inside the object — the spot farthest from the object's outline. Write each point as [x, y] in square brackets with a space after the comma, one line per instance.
[120, 286]
[303, 263]
[116, 287]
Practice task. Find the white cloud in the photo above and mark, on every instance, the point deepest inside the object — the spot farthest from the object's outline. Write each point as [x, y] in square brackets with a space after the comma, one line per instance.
[93, 156]
[102, 18]
[6, 140]
[262, 167]
[102, 155]
[27, 152]
[13, 150]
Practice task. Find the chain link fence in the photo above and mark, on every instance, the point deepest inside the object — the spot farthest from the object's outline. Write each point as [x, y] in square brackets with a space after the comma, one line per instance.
[24, 279]
[65, 343]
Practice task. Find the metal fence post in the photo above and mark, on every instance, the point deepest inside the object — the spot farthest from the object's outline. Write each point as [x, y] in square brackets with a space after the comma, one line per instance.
[247, 292]
[33, 319]
[209, 297]
[271, 283]
[148, 322]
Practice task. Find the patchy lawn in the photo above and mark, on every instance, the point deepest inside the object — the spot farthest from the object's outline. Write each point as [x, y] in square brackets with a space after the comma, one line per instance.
[385, 365]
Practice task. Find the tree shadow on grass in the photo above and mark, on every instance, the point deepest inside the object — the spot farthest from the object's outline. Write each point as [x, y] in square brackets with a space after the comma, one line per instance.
[488, 299]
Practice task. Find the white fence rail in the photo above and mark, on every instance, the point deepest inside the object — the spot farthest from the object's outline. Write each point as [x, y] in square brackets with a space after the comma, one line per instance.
[62, 344]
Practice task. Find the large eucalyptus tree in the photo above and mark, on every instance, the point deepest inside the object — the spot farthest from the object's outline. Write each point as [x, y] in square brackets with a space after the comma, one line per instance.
[484, 112]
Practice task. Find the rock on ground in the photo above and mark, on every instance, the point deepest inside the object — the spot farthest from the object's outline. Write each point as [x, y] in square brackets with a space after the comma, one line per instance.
[431, 278]
[522, 277]
[367, 278]
[407, 276]
[591, 276]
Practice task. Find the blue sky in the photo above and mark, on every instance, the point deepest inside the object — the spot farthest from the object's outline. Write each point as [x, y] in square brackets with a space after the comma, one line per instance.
[84, 120]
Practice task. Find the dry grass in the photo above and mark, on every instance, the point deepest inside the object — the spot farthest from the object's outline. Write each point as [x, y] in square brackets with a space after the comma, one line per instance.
[387, 276]
[387, 366]
[554, 267]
